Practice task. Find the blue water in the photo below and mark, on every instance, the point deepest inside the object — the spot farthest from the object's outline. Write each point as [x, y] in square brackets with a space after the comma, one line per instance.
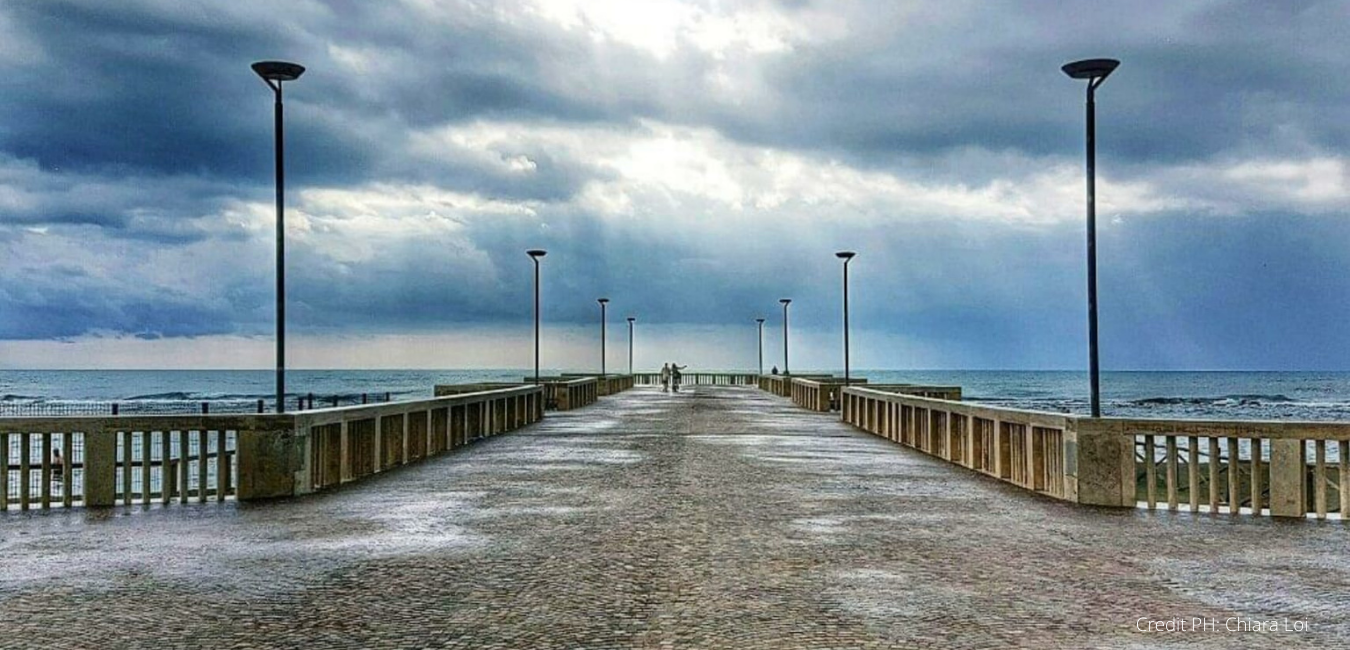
[1225, 395]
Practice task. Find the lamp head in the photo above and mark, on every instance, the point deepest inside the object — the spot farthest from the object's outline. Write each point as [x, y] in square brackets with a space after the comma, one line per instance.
[1090, 68]
[785, 301]
[603, 301]
[631, 319]
[536, 253]
[759, 320]
[845, 255]
[278, 70]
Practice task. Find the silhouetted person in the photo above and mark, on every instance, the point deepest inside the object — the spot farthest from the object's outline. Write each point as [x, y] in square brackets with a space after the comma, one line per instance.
[58, 465]
[665, 378]
[775, 370]
[675, 376]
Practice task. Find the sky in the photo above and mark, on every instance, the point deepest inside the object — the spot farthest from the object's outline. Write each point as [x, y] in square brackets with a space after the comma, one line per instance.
[692, 161]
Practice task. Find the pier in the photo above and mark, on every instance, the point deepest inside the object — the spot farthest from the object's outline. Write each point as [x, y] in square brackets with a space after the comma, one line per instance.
[742, 511]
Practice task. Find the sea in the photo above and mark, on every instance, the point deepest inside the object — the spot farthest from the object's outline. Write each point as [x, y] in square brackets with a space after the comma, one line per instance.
[1255, 395]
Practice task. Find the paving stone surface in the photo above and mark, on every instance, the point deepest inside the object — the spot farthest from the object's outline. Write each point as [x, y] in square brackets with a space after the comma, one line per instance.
[716, 518]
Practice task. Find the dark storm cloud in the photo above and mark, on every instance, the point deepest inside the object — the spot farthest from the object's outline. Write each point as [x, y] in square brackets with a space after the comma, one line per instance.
[141, 122]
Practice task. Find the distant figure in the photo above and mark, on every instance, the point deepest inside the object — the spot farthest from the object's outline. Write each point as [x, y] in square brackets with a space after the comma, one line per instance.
[58, 465]
[675, 376]
[775, 370]
[665, 378]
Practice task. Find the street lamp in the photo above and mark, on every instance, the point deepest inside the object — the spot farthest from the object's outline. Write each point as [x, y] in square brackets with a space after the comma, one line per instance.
[630, 344]
[273, 73]
[786, 302]
[603, 302]
[1095, 71]
[535, 254]
[847, 256]
[761, 344]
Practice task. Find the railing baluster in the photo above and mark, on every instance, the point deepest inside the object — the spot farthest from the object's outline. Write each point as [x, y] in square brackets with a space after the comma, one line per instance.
[1256, 477]
[46, 491]
[67, 468]
[1320, 477]
[4, 487]
[1344, 496]
[147, 446]
[1193, 472]
[1151, 471]
[1234, 478]
[222, 464]
[165, 468]
[1171, 472]
[184, 466]
[1213, 475]
[126, 467]
[25, 457]
[201, 466]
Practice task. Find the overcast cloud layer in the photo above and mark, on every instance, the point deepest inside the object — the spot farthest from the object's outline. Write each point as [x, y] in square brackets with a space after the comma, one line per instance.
[692, 161]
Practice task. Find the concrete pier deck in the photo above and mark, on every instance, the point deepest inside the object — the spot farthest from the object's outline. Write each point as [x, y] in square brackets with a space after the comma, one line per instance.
[719, 517]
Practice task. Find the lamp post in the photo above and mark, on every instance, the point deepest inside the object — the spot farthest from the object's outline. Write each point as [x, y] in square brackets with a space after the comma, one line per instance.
[847, 256]
[603, 302]
[273, 73]
[1095, 71]
[761, 344]
[786, 302]
[535, 254]
[630, 344]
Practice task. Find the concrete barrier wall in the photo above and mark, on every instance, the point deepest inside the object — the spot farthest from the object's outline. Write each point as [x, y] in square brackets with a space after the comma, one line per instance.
[1283, 469]
[109, 460]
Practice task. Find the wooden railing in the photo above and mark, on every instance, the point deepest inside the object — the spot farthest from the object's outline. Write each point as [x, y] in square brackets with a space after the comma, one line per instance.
[700, 378]
[350, 443]
[607, 384]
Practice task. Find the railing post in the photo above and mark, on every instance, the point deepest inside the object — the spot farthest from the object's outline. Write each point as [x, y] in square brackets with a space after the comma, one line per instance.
[1288, 478]
[100, 468]
[267, 464]
[1099, 463]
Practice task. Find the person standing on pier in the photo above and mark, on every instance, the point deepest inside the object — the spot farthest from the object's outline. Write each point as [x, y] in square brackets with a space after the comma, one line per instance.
[665, 378]
[675, 376]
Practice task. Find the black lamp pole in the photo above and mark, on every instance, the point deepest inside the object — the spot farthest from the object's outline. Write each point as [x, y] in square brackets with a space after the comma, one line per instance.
[630, 344]
[273, 73]
[786, 302]
[847, 256]
[761, 344]
[535, 255]
[603, 302]
[1095, 72]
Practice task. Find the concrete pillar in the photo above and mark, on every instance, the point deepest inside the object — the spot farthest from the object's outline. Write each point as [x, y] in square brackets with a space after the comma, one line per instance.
[1288, 478]
[1099, 460]
[100, 468]
[267, 463]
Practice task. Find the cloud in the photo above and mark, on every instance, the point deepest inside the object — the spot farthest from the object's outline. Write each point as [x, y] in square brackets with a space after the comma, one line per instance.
[694, 161]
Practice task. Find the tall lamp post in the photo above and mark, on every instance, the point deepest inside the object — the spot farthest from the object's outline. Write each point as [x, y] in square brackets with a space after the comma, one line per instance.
[535, 254]
[847, 256]
[1095, 71]
[273, 73]
[761, 344]
[786, 302]
[630, 344]
[603, 302]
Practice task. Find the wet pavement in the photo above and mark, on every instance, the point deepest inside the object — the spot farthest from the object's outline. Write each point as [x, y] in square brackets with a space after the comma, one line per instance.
[715, 518]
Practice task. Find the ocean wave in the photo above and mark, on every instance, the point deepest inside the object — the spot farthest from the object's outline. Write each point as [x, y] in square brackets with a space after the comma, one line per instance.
[1225, 400]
